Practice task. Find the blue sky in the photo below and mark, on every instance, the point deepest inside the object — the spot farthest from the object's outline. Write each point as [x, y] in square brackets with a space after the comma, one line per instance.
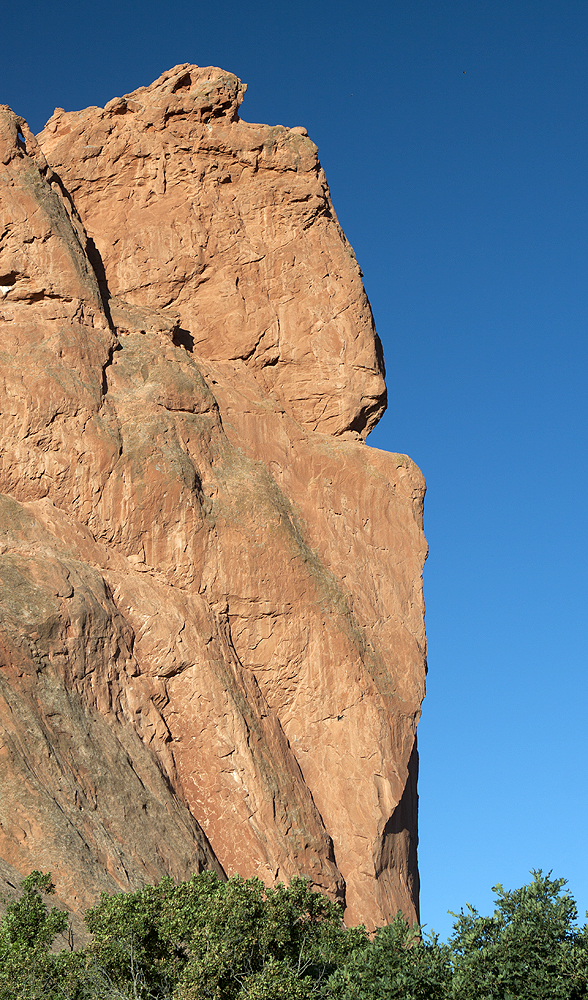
[465, 197]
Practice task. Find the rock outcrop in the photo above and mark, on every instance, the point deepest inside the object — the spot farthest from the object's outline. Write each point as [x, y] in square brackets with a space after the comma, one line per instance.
[212, 646]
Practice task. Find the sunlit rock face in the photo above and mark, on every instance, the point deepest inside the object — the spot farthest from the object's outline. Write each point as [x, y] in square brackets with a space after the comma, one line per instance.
[212, 645]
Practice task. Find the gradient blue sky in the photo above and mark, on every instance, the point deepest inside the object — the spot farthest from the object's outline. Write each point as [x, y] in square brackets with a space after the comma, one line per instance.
[464, 195]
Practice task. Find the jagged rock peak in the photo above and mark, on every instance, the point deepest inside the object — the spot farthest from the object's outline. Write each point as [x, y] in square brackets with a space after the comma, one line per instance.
[231, 225]
[201, 93]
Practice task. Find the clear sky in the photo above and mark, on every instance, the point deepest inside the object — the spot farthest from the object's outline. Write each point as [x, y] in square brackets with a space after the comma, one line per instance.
[455, 139]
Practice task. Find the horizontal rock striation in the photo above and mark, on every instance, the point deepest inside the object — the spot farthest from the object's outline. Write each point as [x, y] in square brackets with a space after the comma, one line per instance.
[212, 648]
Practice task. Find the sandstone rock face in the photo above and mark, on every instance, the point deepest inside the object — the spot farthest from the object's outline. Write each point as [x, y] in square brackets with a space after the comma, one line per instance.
[230, 225]
[211, 619]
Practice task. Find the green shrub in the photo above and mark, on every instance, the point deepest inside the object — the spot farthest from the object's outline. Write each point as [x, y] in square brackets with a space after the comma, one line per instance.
[27, 931]
[399, 963]
[529, 949]
[206, 939]
[216, 939]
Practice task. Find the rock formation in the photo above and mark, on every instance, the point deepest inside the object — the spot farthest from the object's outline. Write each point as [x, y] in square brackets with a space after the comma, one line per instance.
[212, 646]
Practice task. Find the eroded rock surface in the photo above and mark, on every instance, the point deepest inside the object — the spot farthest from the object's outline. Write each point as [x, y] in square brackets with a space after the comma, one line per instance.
[213, 648]
[232, 225]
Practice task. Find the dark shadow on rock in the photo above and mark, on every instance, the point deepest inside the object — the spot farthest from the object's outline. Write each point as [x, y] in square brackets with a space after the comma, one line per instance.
[399, 837]
[183, 338]
[98, 268]
[380, 355]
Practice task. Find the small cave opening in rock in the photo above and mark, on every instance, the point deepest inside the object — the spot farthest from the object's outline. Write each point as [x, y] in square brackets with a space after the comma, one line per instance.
[7, 281]
[184, 83]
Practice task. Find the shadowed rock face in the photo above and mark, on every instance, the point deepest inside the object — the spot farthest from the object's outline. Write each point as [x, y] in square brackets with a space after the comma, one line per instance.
[212, 648]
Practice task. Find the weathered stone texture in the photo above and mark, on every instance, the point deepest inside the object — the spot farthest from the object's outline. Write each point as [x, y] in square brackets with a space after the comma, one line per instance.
[213, 649]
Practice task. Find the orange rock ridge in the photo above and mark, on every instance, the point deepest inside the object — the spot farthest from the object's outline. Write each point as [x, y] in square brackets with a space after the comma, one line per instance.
[212, 644]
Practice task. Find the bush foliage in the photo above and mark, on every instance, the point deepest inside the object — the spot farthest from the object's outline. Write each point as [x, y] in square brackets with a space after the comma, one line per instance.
[206, 939]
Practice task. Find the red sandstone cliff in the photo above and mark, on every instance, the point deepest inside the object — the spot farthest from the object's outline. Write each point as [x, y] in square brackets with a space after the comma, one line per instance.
[212, 648]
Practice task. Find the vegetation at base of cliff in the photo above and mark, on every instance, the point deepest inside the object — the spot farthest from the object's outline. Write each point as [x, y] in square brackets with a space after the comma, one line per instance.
[211, 940]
